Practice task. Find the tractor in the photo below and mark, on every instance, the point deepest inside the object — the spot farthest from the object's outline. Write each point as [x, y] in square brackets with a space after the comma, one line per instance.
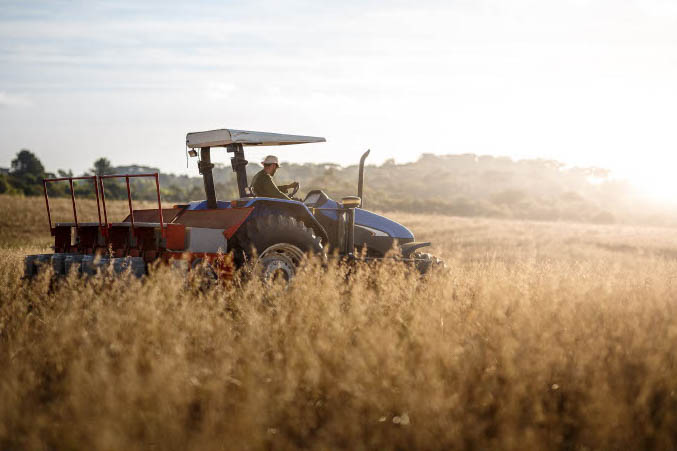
[273, 234]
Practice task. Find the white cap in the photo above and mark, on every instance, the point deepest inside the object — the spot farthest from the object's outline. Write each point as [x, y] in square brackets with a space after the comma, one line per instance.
[270, 159]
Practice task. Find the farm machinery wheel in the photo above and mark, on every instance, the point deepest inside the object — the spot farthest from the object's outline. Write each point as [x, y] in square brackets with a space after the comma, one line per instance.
[62, 264]
[203, 274]
[280, 261]
[280, 243]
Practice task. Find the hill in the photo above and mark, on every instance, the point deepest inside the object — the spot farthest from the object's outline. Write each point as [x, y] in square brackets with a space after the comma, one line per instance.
[456, 185]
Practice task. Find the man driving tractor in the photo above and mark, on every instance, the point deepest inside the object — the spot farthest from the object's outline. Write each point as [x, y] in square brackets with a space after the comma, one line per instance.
[263, 185]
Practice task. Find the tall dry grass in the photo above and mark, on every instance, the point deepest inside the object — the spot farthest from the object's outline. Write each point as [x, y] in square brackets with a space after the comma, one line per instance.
[537, 336]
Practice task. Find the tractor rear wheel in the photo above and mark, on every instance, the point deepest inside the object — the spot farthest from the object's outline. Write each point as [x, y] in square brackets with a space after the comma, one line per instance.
[280, 242]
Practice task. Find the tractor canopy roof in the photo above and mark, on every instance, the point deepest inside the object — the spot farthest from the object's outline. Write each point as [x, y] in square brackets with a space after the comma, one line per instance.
[224, 137]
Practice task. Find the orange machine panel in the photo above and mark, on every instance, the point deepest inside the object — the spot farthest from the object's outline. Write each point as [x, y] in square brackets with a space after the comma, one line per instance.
[176, 237]
[223, 218]
[168, 214]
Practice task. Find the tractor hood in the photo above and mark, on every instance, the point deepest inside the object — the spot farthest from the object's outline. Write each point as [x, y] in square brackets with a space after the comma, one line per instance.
[375, 225]
[379, 225]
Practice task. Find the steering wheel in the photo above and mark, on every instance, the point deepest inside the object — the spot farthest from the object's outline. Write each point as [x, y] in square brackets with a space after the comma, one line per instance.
[295, 190]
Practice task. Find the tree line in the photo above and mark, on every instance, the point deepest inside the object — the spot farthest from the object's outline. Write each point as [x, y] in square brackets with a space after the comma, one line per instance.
[25, 175]
[459, 185]
[27, 172]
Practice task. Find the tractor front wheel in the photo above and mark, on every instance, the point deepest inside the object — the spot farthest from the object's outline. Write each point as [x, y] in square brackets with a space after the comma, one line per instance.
[426, 262]
[279, 262]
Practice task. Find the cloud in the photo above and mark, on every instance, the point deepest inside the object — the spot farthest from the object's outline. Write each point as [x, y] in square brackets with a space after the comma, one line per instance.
[583, 81]
[13, 101]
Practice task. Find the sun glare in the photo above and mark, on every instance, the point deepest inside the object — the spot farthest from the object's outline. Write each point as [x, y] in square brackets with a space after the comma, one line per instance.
[658, 184]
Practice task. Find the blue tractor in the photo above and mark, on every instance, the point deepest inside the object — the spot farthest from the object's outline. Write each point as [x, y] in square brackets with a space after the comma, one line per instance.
[280, 232]
[274, 234]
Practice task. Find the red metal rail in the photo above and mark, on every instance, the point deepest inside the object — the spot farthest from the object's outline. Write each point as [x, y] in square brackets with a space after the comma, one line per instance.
[101, 201]
[70, 182]
[129, 197]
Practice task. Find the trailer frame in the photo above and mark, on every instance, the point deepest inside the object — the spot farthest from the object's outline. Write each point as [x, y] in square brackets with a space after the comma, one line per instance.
[100, 194]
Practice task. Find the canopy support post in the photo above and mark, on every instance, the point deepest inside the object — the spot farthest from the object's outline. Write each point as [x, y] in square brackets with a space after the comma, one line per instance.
[239, 165]
[205, 166]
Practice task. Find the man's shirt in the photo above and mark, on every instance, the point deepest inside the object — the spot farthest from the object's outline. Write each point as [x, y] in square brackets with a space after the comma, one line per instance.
[263, 186]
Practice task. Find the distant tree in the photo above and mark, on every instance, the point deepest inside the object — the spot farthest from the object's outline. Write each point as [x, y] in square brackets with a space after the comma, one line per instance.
[5, 186]
[509, 196]
[63, 173]
[102, 166]
[603, 217]
[571, 196]
[27, 164]
[599, 173]
[25, 174]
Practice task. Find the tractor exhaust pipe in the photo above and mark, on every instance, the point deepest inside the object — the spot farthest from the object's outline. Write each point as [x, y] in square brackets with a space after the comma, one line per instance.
[360, 180]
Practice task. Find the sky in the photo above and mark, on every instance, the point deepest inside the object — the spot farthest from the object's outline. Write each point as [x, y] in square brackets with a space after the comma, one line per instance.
[585, 82]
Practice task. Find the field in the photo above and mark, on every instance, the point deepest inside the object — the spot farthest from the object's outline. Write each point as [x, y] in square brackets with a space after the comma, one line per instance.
[535, 336]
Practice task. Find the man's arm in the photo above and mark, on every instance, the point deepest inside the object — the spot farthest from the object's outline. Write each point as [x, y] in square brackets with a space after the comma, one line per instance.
[287, 187]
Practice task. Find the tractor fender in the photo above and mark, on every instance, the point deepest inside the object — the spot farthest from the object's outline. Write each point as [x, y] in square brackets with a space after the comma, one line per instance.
[268, 205]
